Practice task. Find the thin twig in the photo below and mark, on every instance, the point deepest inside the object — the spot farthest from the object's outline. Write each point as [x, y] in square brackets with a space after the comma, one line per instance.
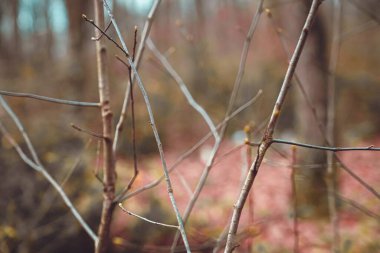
[360, 6]
[101, 35]
[169, 68]
[221, 157]
[75, 165]
[122, 61]
[217, 144]
[356, 177]
[48, 199]
[154, 128]
[358, 29]
[205, 116]
[21, 128]
[266, 142]
[331, 180]
[248, 130]
[49, 99]
[295, 203]
[192, 149]
[38, 167]
[333, 149]
[102, 32]
[97, 163]
[319, 123]
[136, 171]
[358, 206]
[243, 61]
[145, 219]
[89, 132]
[109, 173]
[184, 183]
[136, 60]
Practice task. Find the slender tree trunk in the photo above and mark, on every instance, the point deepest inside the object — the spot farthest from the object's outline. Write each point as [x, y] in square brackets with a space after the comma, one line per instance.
[15, 46]
[76, 53]
[49, 39]
[312, 73]
[103, 244]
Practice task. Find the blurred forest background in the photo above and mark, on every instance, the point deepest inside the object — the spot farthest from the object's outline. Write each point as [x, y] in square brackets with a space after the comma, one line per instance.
[46, 49]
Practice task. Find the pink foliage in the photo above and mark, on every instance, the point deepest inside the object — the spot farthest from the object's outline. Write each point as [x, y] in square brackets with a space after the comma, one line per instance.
[273, 212]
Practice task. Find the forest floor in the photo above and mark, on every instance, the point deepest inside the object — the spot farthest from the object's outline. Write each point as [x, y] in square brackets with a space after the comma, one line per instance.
[267, 224]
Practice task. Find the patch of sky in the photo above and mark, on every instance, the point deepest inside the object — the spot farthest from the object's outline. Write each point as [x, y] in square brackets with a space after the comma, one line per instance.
[58, 16]
[139, 6]
[25, 16]
[31, 18]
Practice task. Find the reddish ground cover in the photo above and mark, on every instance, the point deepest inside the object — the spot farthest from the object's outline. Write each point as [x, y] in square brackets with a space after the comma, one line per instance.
[272, 229]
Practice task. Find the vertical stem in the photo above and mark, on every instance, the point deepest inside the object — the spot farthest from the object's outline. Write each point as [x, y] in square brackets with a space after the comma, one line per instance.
[136, 60]
[218, 141]
[330, 133]
[266, 141]
[103, 245]
[154, 128]
[248, 129]
[295, 204]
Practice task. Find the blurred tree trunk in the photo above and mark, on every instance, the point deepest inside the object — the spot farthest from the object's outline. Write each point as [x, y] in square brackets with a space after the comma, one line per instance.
[312, 72]
[49, 39]
[77, 41]
[15, 52]
[198, 52]
[3, 54]
[15, 29]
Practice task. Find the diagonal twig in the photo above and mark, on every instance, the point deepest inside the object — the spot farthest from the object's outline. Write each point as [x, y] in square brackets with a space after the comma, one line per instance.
[266, 141]
[145, 219]
[169, 68]
[49, 99]
[136, 60]
[192, 149]
[154, 128]
[321, 127]
[36, 165]
[217, 144]
[333, 149]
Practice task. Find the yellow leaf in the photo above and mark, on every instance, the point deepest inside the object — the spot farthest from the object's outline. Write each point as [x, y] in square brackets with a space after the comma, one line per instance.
[118, 240]
[9, 232]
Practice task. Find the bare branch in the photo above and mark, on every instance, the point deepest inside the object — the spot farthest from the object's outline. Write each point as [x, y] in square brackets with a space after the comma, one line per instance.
[136, 60]
[147, 220]
[358, 206]
[105, 34]
[136, 171]
[360, 6]
[183, 87]
[109, 173]
[333, 149]
[295, 202]
[331, 180]
[36, 165]
[215, 149]
[321, 127]
[266, 142]
[75, 165]
[91, 133]
[101, 35]
[357, 178]
[154, 128]
[192, 149]
[49, 99]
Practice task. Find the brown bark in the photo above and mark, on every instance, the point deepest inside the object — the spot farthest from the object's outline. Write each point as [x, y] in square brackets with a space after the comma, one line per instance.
[312, 73]
[103, 244]
[268, 135]
[76, 54]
